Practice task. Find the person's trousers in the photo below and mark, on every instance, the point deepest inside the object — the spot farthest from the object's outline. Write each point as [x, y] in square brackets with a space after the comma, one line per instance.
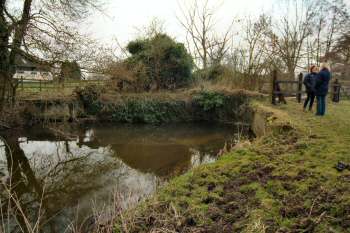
[321, 105]
[309, 100]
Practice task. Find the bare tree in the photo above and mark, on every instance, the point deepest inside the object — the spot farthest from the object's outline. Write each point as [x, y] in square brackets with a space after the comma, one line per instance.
[205, 44]
[254, 59]
[31, 30]
[153, 28]
[330, 21]
[340, 55]
[254, 51]
[342, 47]
[289, 33]
[338, 17]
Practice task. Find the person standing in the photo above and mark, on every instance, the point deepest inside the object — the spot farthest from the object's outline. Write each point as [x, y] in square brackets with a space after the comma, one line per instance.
[321, 88]
[310, 83]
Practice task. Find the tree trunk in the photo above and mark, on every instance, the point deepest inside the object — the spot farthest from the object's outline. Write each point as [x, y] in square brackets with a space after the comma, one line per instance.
[8, 54]
[4, 42]
[3, 89]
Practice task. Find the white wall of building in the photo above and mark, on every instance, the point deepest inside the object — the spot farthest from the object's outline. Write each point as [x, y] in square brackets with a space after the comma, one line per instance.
[34, 75]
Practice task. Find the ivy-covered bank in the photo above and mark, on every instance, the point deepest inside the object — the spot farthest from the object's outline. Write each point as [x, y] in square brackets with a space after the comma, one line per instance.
[94, 104]
[285, 181]
[164, 107]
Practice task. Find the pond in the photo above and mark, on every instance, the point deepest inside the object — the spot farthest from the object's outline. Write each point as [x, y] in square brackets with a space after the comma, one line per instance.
[67, 181]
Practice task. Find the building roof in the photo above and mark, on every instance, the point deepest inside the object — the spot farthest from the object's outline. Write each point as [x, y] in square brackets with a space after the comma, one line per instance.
[26, 62]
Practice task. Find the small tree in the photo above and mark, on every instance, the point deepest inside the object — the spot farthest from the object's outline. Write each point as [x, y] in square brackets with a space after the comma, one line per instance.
[70, 70]
[168, 64]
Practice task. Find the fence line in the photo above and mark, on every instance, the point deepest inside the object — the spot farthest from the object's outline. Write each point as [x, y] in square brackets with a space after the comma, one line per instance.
[337, 89]
[278, 92]
[41, 85]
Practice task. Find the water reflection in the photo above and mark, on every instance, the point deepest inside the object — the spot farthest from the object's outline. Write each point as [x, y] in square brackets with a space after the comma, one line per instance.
[61, 178]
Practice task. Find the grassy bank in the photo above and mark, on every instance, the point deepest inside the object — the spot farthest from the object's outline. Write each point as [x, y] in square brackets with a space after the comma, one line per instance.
[284, 182]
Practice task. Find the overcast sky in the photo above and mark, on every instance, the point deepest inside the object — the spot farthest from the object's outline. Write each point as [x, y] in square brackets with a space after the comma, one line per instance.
[123, 16]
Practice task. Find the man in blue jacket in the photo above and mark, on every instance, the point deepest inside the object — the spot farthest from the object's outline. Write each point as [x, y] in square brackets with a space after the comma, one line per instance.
[321, 88]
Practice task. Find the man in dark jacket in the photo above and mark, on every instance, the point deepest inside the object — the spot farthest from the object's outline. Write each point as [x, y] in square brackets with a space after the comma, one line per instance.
[321, 89]
[310, 83]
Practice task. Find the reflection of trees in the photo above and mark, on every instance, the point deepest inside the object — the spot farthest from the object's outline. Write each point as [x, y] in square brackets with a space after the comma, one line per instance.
[66, 177]
[73, 171]
[73, 176]
[163, 151]
[21, 181]
[22, 176]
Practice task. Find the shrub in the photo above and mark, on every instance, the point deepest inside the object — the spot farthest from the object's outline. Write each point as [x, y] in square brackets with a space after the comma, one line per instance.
[214, 73]
[137, 46]
[70, 70]
[128, 77]
[168, 64]
[90, 97]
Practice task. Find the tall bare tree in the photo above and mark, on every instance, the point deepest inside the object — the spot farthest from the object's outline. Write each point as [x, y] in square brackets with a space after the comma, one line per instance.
[290, 32]
[340, 55]
[205, 43]
[332, 16]
[254, 50]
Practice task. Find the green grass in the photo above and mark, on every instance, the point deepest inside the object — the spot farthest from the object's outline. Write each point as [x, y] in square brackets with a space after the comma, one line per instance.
[284, 182]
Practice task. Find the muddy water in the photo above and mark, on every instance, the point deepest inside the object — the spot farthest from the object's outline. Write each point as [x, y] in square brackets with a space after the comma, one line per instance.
[69, 180]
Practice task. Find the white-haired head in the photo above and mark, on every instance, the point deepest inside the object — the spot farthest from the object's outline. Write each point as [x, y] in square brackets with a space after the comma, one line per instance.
[325, 65]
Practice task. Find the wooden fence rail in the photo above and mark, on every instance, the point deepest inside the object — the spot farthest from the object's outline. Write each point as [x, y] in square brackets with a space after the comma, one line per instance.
[46, 85]
[278, 92]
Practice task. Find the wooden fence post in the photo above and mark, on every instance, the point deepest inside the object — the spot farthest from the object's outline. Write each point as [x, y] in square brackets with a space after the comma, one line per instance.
[40, 85]
[336, 91]
[273, 87]
[22, 86]
[300, 87]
